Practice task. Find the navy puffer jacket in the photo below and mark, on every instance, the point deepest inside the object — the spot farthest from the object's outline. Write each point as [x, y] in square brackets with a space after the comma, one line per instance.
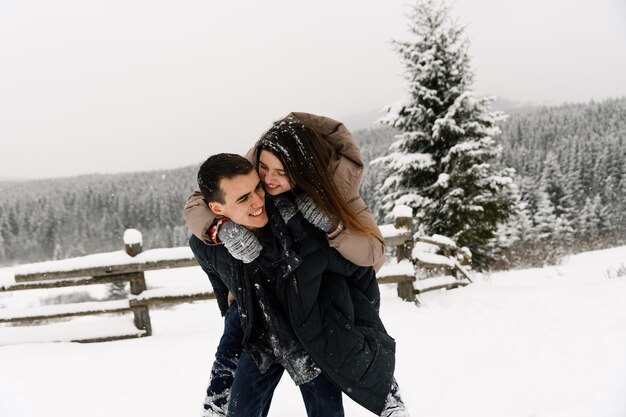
[332, 305]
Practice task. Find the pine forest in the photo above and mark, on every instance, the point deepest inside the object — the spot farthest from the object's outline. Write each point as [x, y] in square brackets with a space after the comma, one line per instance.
[569, 162]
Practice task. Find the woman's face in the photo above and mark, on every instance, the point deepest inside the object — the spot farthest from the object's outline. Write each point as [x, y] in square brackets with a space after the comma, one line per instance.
[272, 173]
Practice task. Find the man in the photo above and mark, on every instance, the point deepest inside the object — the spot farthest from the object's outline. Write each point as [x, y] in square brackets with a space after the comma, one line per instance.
[298, 302]
[233, 190]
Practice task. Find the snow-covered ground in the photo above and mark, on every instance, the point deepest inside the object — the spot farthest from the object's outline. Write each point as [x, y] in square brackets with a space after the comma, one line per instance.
[545, 342]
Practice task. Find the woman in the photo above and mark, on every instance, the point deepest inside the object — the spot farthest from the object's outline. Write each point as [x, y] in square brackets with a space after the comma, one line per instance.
[317, 162]
[338, 160]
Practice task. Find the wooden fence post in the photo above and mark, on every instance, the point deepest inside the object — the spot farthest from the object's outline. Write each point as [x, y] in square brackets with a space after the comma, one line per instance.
[133, 245]
[403, 251]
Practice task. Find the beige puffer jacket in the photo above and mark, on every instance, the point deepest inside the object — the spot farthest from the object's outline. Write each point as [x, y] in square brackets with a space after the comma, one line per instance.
[347, 170]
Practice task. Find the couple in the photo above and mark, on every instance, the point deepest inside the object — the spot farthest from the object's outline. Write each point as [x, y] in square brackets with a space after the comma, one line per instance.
[291, 253]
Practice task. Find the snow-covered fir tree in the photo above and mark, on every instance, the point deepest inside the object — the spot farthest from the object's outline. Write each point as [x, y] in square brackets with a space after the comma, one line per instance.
[117, 291]
[577, 154]
[556, 187]
[621, 201]
[2, 246]
[561, 198]
[544, 219]
[595, 218]
[443, 163]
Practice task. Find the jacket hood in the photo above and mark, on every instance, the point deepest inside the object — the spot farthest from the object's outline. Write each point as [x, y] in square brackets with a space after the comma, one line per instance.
[335, 133]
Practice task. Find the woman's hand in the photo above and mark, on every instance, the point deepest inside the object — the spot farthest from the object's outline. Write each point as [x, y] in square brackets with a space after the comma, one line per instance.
[314, 214]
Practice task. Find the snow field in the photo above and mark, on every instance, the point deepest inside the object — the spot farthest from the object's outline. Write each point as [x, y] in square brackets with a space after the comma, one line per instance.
[544, 342]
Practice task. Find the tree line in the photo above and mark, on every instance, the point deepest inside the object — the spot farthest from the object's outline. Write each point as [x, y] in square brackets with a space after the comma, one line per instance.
[60, 218]
[570, 164]
[550, 184]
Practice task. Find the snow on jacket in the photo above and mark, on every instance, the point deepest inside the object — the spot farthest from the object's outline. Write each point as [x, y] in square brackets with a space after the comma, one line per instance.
[332, 305]
[347, 171]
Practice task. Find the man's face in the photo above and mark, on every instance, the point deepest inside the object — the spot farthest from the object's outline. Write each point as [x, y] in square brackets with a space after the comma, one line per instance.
[244, 200]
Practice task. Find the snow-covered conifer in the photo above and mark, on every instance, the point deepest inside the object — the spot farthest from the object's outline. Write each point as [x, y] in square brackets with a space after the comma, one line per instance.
[544, 219]
[444, 162]
[2, 247]
[553, 179]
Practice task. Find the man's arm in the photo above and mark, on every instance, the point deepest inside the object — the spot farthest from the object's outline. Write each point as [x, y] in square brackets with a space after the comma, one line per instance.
[201, 253]
[220, 290]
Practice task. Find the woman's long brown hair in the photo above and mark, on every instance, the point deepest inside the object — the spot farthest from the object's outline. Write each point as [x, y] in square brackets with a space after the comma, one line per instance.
[305, 155]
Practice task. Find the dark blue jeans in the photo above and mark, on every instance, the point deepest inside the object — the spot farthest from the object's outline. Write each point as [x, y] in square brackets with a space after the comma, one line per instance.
[235, 376]
[226, 358]
[252, 392]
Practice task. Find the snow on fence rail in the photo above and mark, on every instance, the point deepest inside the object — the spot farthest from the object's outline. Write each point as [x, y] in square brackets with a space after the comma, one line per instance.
[416, 253]
[129, 266]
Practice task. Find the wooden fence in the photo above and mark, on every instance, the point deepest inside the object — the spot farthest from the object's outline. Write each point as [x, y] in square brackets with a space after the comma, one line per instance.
[122, 267]
[416, 268]
[130, 266]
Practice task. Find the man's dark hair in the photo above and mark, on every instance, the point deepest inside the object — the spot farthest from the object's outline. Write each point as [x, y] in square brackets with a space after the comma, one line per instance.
[217, 167]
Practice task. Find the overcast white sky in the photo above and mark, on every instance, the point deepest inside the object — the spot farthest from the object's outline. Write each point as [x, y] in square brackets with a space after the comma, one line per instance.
[123, 85]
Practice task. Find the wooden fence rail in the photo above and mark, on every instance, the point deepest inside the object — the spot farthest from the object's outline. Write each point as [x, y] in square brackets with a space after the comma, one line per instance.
[451, 264]
[117, 267]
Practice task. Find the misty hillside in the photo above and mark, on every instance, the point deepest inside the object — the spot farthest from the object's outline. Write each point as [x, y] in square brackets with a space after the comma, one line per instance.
[66, 217]
[574, 154]
[58, 218]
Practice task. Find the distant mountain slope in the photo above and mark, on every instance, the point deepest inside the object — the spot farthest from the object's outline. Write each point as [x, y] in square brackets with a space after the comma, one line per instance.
[56, 218]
